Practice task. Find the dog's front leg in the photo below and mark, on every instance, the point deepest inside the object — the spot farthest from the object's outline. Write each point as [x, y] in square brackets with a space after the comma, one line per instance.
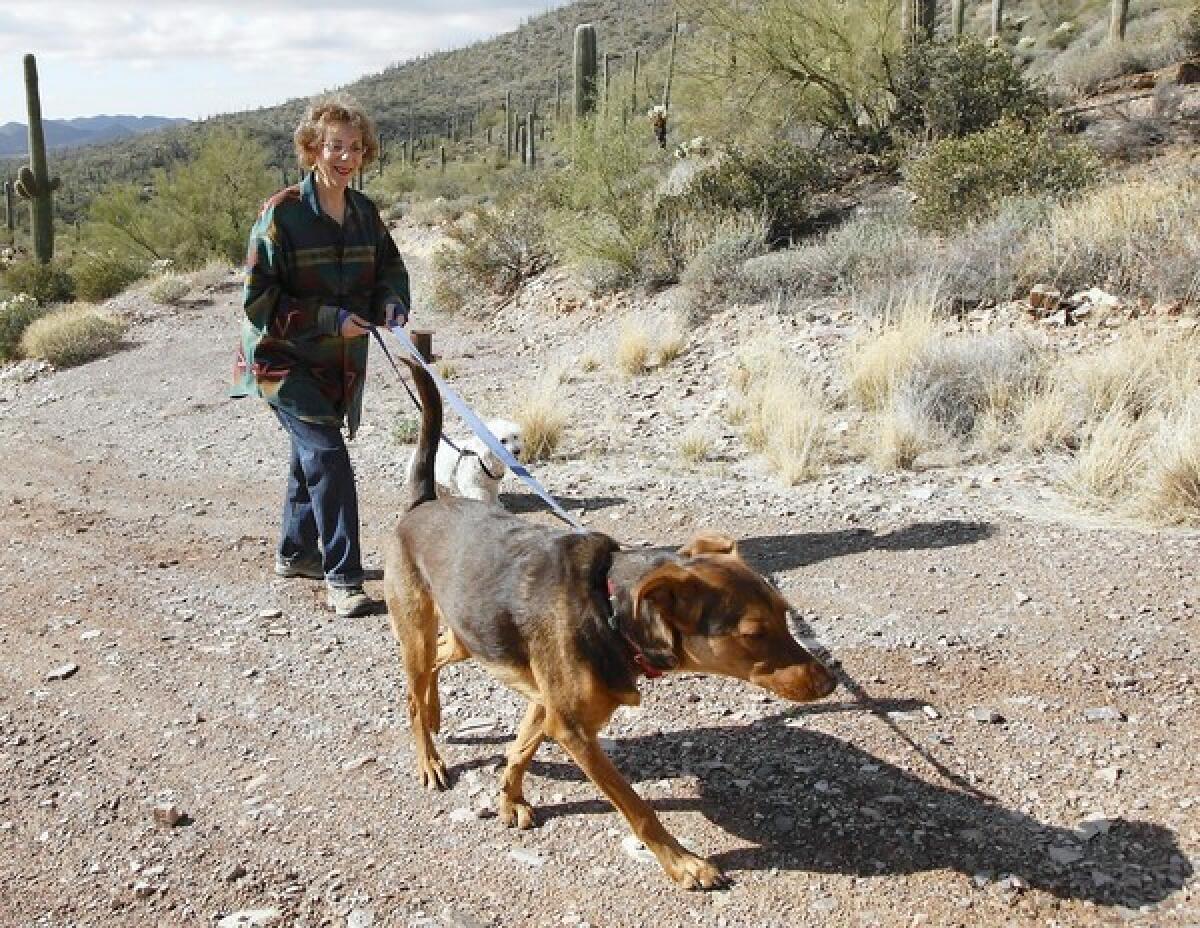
[514, 810]
[684, 867]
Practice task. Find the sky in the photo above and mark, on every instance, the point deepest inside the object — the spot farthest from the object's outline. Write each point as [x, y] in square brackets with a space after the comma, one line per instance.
[202, 57]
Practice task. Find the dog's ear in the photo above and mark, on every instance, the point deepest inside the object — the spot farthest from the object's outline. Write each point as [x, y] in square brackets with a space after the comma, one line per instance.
[675, 593]
[706, 542]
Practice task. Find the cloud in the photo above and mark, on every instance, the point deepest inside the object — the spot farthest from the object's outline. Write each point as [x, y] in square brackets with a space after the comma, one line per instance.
[305, 44]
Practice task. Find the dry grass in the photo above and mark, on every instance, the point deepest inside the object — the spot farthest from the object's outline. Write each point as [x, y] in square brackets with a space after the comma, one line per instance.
[1170, 492]
[643, 343]
[879, 359]
[898, 442]
[72, 336]
[169, 289]
[696, 444]
[1135, 237]
[782, 411]
[446, 368]
[543, 417]
[1107, 465]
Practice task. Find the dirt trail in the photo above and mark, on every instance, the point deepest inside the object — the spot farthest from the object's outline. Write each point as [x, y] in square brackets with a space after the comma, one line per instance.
[1017, 745]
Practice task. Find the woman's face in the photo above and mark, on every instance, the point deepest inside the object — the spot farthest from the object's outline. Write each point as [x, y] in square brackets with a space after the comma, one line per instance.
[339, 156]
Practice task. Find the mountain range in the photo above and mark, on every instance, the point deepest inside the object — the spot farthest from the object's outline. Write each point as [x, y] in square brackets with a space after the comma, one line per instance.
[87, 130]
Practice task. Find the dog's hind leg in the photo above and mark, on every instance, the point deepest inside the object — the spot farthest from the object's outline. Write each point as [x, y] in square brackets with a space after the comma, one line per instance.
[450, 650]
[681, 865]
[514, 810]
[414, 623]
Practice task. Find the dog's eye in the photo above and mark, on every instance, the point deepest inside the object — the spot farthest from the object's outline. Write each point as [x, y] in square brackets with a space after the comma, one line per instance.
[752, 631]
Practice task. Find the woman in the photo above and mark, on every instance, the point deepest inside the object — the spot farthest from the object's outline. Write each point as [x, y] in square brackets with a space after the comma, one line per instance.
[320, 270]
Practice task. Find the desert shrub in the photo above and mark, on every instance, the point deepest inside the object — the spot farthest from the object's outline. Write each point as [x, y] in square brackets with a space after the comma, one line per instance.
[604, 215]
[956, 384]
[72, 336]
[1081, 69]
[713, 272]
[103, 274]
[493, 250]
[960, 180]
[986, 261]
[16, 314]
[951, 88]
[170, 289]
[775, 180]
[1170, 490]
[46, 283]
[696, 444]
[1138, 237]
[196, 211]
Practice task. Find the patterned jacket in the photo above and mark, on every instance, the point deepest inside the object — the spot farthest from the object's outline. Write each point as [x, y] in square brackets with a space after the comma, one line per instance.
[301, 268]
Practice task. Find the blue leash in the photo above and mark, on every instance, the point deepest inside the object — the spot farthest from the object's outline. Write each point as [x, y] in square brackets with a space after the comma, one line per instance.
[455, 402]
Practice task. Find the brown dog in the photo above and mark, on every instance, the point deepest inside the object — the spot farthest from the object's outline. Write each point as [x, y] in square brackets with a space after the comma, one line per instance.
[571, 621]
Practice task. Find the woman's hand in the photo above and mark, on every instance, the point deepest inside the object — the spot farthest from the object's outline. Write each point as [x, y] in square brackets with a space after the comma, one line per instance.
[353, 326]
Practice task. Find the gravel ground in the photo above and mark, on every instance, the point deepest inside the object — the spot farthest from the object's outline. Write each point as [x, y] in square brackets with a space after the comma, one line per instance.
[187, 740]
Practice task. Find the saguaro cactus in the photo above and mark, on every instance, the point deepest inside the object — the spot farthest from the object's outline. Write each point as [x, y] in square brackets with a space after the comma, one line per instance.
[585, 71]
[916, 18]
[10, 216]
[958, 14]
[33, 181]
[529, 146]
[997, 17]
[1118, 14]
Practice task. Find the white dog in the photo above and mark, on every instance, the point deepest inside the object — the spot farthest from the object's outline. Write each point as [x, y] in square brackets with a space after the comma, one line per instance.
[474, 470]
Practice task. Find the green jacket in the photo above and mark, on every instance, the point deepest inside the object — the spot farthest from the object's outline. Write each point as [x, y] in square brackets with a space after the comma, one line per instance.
[301, 268]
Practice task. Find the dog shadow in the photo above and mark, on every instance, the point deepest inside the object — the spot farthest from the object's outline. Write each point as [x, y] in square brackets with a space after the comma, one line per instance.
[770, 553]
[803, 800]
[524, 503]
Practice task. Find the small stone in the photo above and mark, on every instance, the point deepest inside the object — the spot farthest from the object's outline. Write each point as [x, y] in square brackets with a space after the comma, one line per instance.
[271, 614]
[986, 716]
[931, 713]
[1104, 714]
[66, 671]
[1065, 855]
[634, 849]
[251, 918]
[530, 858]
[358, 763]
[170, 815]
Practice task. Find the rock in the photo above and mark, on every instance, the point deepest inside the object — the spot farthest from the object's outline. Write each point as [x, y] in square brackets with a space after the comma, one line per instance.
[1104, 714]
[358, 763]
[1090, 827]
[986, 716]
[251, 918]
[1065, 855]
[634, 849]
[530, 858]
[65, 672]
[1187, 72]
[270, 614]
[360, 918]
[169, 814]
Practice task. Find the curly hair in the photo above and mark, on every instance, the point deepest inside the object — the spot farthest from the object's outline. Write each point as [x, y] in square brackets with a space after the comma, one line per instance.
[327, 111]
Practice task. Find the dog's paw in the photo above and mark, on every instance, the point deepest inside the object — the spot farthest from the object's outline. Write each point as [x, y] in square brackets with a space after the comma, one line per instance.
[432, 774]
[516, 813]
[692, 872]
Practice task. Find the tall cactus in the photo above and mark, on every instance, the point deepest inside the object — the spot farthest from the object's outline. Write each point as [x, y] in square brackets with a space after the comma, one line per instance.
[1118, 14]
[33, 181]
[585, 71]
[997, 18]
[916, 18]
[958, 14]
[10, 216]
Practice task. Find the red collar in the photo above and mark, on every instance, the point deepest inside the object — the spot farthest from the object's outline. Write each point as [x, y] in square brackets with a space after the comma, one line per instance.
[636, 655]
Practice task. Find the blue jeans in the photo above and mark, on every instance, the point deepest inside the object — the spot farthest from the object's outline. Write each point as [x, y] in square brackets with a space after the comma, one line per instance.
[321, 504]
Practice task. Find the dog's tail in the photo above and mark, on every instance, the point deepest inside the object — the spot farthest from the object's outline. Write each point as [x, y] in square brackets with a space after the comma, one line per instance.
[421, 480]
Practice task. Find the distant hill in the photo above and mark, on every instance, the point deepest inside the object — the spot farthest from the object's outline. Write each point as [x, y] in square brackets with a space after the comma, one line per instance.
[87, 130]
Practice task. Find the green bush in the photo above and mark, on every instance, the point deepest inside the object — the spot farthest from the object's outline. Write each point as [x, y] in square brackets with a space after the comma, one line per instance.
[16, 314]
[46, 283]
[170, 289]
[954, 87]
[961, 180]
[777, 180]
[69, 336]
[491, 250]
[103, 274]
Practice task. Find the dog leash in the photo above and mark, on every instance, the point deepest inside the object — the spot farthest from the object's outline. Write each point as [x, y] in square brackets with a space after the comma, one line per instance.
[455, 402]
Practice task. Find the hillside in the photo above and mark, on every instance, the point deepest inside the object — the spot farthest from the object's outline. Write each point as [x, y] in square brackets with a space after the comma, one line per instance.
[88, 130]
[421, 96]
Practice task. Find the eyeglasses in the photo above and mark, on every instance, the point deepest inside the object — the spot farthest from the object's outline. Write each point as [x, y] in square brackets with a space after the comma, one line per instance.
[337, 149]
